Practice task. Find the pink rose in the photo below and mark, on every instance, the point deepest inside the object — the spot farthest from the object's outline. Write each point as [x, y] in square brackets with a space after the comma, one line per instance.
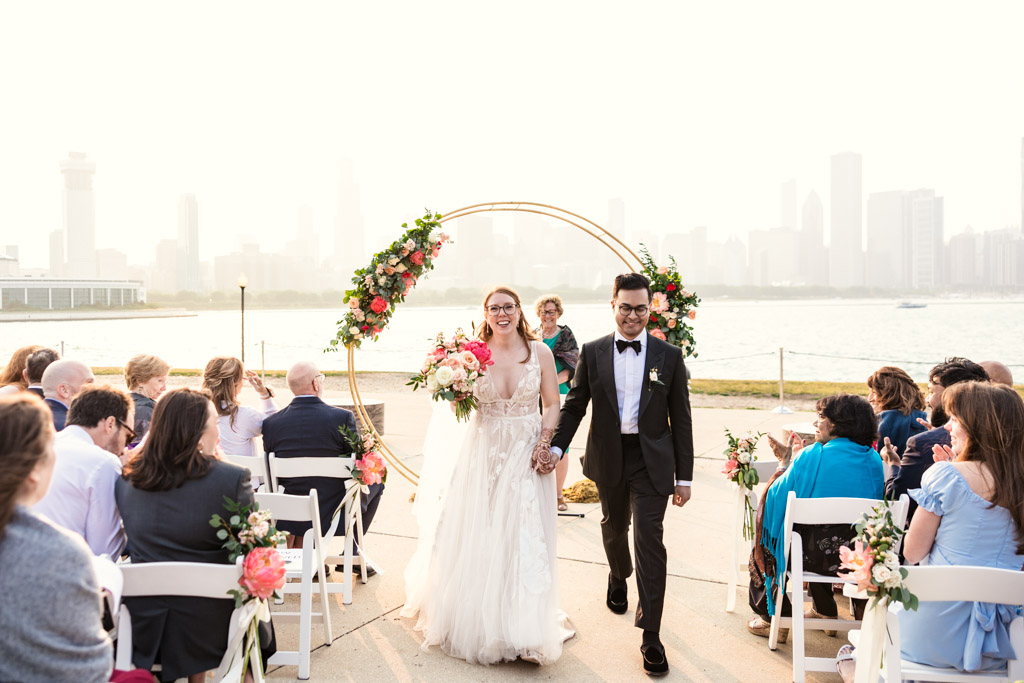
[378, 305]
[692, 315]
[469, 360]
[262, 572]
[405, 252]
[436, 251]
[671, 323]
[371, 468]
[730, 465]
[417, 257]
[663, 270]
[353, 303]
[380, 268]
[390, 270]
[657, 333]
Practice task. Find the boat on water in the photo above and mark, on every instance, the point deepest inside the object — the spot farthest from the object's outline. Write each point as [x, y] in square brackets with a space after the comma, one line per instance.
[910, 304]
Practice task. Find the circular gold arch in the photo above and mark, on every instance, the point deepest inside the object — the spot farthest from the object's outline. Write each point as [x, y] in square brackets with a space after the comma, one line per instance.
[617, 247]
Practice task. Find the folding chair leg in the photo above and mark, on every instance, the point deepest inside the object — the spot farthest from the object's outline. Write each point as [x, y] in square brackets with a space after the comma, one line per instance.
[780, 596]
[306, 610]
[346, 591]
[325, 604]
[797, 631]
[359, 541]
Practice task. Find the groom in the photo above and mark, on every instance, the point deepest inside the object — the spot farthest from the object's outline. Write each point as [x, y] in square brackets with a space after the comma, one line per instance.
[639, 450]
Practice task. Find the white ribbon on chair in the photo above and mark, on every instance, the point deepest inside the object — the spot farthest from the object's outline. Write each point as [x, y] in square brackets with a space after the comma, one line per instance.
[247, 618]
[872, 642]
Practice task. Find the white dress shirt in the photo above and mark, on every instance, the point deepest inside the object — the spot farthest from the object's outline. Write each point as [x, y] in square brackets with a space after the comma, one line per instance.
[81, 496]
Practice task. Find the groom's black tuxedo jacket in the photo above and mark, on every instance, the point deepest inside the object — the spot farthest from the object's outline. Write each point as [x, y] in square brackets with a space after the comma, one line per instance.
[665, 425]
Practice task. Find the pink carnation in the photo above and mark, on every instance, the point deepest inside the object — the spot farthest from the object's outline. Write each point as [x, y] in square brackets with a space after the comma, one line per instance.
[371, 468]
[262, 572]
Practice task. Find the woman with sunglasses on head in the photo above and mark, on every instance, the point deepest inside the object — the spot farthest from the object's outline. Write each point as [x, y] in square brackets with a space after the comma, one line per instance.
[562, 342]
[483, 581]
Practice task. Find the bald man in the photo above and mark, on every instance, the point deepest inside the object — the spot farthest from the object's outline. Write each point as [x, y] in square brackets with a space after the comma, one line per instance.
[62, 380]
[997, 372]
[308, 427]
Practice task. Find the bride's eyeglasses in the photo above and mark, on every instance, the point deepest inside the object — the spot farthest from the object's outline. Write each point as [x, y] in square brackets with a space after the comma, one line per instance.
[507, 309]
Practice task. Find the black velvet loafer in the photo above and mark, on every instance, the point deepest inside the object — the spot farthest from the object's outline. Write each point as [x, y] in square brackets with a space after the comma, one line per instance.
[655, 662]
[616, 599]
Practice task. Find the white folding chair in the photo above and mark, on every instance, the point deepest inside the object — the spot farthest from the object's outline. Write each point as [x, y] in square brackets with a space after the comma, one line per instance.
[741, 547]
[974, 584]
[188, 579]
[349, 517]
[303, 564]
[816, 511]
[256, 465]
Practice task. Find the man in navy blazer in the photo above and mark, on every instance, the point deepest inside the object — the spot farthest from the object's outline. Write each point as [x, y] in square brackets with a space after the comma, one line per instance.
[309, 428]
[62, 380]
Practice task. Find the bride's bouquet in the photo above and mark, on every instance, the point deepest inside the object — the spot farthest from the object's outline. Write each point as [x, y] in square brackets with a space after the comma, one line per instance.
[451, 370]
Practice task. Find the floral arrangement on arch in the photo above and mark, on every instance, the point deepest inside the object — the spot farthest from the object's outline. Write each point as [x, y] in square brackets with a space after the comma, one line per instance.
[671, 305]
[740, 456]
[451, 370]
[874, 563]
[369, 468]
[247, 532]
[388, 279]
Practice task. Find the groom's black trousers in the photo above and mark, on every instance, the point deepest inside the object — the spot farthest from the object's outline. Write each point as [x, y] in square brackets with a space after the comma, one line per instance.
[634, 497]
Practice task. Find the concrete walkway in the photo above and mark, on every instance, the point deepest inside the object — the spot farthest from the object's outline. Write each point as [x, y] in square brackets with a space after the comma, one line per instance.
[704, 643]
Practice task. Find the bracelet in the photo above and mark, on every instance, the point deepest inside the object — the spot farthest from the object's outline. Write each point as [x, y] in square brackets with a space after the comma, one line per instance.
[270, 393]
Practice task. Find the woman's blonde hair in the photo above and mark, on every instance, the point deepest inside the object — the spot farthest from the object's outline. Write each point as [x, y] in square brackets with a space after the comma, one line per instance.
[12, 373]
[484, 331]
[222, 378]
[546, 299]
[142, 368]
[26, 432]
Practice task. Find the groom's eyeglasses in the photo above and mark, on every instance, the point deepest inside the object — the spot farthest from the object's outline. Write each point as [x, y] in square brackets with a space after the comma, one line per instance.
[625, 310]
[507, 309]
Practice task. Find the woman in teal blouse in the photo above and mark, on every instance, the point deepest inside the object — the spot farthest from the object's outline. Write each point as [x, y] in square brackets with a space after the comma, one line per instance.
[560, 340]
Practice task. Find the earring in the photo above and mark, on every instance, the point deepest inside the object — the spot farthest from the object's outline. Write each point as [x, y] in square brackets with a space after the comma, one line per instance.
[201, 450]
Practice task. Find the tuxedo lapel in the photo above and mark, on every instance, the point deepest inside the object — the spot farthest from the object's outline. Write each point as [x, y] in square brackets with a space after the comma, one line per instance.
[606, 363]
[655, 355]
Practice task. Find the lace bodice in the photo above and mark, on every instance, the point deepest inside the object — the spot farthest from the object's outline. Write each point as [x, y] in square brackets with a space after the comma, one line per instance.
[525, 399]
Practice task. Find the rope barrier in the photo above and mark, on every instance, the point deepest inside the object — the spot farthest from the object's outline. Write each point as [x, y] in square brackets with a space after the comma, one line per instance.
[715, 360]
[881, 360]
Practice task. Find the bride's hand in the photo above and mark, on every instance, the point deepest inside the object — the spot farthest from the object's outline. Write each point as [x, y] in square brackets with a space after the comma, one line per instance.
[542, 460]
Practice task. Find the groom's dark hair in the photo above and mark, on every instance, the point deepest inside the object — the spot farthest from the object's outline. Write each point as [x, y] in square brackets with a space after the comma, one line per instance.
[631, 281]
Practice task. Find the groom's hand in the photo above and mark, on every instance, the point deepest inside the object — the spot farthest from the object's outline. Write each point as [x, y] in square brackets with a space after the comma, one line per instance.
[681, 495]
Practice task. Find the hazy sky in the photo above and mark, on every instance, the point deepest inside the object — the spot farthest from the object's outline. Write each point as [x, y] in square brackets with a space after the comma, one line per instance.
[692, 112]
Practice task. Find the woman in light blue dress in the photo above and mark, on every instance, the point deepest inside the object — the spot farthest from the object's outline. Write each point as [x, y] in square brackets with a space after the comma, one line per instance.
[971, 513]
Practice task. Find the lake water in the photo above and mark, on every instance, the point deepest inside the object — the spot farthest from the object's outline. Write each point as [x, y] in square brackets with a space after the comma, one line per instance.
[837, 340]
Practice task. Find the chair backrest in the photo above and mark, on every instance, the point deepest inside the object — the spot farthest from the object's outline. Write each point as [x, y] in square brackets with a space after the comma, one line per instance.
[293, 508]
[335, 468]
[257, 466]
[190, 579]
[837, 511]
[969, 584]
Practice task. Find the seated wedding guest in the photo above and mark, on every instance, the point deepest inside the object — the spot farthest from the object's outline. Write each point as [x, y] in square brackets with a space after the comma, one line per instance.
[35, 366]
[908, 466]
[560, 339]
[81, 497]
[146, 378]
[308, 427]
[842, 464]
[898, 404]
[62, 380]
[12, 379]
[971, 512]
[224, 378]
[172, 485]
[997, 372]
[51, 615]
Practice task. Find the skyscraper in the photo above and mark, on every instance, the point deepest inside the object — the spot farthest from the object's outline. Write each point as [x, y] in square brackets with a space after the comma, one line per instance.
[1022, 185]
[813, 262]
[188, 243]
[79, 216]
[846, 233]
[925, 239]
[887, 261]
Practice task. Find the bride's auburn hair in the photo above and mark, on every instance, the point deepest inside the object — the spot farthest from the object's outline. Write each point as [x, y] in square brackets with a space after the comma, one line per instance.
[484, 331]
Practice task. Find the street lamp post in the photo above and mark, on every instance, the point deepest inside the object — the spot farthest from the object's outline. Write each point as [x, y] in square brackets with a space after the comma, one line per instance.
[243, 282]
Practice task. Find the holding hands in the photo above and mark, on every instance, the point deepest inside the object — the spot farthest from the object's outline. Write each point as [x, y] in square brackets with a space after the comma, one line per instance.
[543, 460]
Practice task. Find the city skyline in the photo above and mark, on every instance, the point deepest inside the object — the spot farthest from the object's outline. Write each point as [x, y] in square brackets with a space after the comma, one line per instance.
[693, 115]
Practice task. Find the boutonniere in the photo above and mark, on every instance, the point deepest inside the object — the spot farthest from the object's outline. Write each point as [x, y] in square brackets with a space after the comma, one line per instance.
[653, 378]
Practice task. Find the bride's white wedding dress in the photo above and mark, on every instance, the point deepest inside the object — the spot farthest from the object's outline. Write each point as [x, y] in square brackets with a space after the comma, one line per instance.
[484, 579]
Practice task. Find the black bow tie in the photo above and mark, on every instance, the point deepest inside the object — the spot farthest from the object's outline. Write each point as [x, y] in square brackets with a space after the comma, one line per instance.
[622, 345]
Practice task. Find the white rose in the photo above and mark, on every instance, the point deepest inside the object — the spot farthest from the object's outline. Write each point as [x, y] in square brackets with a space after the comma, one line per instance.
[432, 384]
[892, 560]
[880, 573]
[743, 457]
[444, 375]
[894, 580]
[360, 316]
[353, 330]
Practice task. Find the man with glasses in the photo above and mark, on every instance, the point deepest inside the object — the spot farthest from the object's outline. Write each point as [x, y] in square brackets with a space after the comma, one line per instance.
[639, 451]
[81, 496]
[309, 428]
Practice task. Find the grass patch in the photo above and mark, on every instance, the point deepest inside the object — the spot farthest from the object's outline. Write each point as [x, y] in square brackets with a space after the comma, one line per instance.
[769, 388]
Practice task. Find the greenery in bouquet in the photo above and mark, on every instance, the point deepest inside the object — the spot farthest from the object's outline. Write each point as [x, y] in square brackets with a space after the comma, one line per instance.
[451, 370]
[248, 532]
[388, 279]
[738, 468]
[369, 468]
[873, 562]
[671, 305]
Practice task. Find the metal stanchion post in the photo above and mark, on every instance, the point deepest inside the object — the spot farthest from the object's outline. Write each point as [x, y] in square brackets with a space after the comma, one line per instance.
[781, 409]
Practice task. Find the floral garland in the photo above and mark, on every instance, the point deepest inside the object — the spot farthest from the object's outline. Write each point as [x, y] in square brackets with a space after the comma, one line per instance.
[671, 305]
[388, 279]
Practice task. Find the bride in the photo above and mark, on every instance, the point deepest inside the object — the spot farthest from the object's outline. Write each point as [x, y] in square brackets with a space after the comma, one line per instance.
[484, 580]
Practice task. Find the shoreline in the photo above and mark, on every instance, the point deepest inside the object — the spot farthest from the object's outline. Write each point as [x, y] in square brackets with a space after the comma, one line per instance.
[44, 315]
